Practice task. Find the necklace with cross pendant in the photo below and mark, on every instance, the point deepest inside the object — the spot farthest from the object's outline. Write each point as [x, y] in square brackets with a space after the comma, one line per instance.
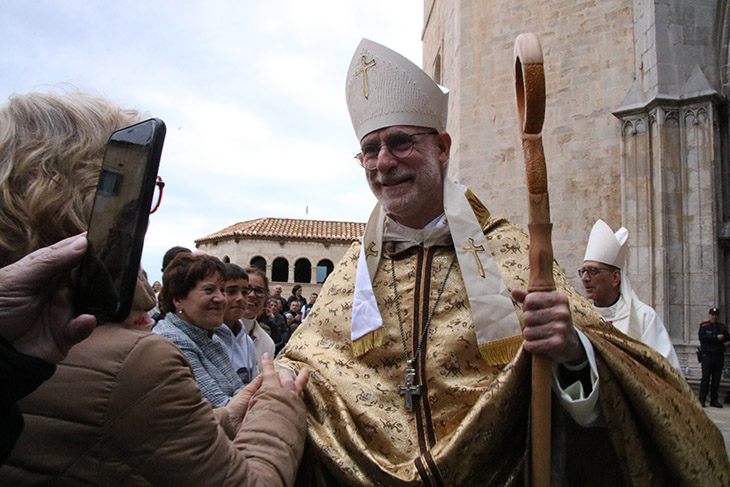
[410, 388]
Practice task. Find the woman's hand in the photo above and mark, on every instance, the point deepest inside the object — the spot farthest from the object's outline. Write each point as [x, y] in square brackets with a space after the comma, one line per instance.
[283, 378]
[238, 404]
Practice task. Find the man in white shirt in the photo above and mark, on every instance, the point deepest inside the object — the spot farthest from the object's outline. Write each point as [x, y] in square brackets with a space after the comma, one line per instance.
[238, 344]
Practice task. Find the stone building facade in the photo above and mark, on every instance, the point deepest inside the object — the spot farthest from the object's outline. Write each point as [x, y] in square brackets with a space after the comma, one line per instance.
[291, 251]
[635, 133]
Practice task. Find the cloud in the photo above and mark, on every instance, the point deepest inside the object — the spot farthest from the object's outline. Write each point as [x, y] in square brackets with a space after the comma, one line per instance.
[252, 94]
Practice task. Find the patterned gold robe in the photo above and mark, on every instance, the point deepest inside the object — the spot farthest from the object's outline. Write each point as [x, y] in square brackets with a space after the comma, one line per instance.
[470, 425]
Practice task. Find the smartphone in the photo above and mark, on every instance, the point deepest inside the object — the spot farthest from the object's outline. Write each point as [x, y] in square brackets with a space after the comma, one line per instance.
[108, 272]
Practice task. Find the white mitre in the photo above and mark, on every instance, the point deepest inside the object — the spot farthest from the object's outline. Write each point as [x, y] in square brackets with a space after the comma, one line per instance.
[607, 247]
[610, 248]
[385, 89]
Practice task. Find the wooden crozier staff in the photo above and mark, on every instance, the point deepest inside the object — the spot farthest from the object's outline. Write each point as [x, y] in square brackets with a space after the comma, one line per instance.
[530, 91]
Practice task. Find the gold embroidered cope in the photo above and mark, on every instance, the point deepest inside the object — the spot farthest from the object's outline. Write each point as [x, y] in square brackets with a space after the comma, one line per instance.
[469, 424]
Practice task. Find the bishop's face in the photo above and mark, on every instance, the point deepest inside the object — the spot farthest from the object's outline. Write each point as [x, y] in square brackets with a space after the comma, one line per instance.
[602, 287]
[409, 188]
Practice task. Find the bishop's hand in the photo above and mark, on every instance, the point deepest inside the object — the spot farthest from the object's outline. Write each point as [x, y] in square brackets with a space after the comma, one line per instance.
[548, 327]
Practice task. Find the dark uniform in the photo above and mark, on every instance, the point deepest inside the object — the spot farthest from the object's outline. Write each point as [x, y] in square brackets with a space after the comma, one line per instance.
[713, 354]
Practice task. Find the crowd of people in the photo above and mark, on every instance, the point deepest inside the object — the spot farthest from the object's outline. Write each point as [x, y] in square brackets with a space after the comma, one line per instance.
[415, 372]
[112, 403]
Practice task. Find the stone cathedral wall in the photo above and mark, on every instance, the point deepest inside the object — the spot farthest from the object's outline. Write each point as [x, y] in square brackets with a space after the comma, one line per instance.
[589, 67]
[636, 132]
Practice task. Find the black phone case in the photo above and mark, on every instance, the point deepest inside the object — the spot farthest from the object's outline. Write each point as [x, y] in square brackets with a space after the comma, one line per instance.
[108, 273]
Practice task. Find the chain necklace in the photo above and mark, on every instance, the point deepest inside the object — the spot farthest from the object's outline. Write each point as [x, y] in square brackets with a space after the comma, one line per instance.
[410, 388]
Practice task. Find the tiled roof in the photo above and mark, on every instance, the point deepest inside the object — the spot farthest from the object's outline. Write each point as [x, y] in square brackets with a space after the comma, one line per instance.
[290, 229]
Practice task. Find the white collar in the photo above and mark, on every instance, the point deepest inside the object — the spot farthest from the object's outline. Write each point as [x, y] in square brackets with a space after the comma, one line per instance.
[495, 321]
[435, 233]
[248, 324]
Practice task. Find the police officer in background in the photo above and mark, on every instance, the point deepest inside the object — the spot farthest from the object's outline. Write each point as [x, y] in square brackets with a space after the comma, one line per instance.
[713, 342]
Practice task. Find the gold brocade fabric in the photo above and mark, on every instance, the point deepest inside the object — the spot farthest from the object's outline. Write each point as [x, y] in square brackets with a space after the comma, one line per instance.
[470, 424]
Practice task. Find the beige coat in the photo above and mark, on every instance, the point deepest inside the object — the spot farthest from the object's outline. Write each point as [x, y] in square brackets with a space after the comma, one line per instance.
[124, 409]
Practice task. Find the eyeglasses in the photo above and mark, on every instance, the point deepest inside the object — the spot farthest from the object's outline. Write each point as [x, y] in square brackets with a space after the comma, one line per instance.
[258, 291]
[592, 271]
[160, 185]
[399, 144]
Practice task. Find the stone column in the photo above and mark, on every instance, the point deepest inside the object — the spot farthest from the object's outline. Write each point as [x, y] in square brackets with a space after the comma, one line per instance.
[313, 274]
[671, 205]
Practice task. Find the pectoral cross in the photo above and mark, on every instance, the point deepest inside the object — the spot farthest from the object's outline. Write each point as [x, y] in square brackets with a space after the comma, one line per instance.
[364, 70]
[410, 389]
[474, 251]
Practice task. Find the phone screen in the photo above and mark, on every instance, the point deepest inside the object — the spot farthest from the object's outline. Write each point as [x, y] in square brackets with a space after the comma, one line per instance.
[118, 223]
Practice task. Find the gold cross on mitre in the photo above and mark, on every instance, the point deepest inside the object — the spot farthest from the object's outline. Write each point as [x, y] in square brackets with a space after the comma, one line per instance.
[471, 248]
[364, 70]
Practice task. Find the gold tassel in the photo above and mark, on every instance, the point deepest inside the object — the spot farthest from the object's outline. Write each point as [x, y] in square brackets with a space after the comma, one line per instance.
[502, 351]
[368, 342]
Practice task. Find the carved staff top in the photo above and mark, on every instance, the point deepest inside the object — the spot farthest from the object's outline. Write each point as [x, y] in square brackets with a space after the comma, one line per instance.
[530, 92]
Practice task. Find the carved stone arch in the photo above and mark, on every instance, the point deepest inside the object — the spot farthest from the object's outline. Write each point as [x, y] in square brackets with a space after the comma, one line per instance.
[671, 119]
[652, 120]
[280, 270]
[258, 262]
[628, 128]
[303, 270]
[695, 116]
[702, 115]
[324, 269]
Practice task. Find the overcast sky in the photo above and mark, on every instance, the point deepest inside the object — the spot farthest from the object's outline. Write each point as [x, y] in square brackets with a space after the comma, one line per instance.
[252, 93]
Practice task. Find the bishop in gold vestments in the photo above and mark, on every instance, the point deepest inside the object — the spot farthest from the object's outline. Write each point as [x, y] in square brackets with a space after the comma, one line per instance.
[471, 421]
[420, 373]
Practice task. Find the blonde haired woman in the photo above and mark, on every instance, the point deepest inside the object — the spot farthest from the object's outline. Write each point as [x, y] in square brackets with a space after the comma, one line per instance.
[123, 408]
[51, 147]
